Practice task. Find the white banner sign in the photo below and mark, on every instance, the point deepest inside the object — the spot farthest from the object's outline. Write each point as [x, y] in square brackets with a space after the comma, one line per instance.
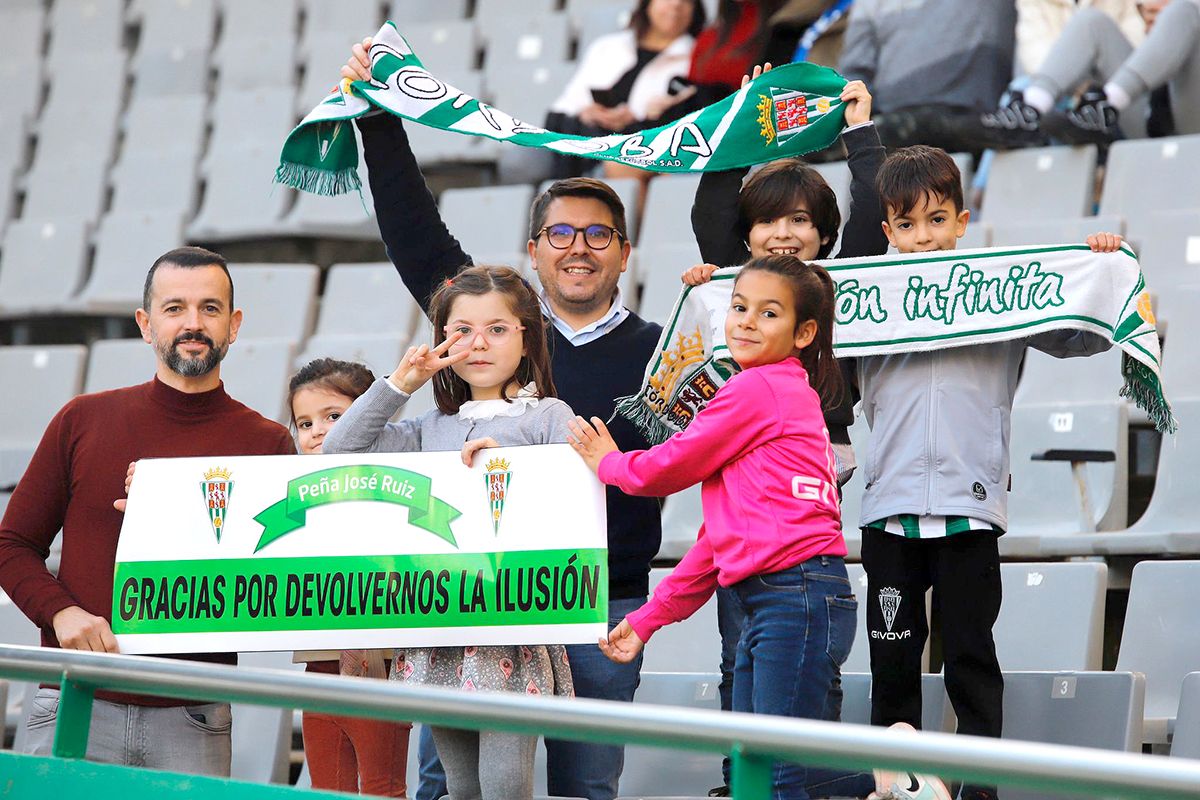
[348, 551]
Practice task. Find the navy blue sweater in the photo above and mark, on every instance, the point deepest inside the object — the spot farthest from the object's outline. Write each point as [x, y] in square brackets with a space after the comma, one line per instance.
[589, 377]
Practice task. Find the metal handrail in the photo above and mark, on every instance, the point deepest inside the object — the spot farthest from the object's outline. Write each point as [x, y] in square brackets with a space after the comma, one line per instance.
[754, 741]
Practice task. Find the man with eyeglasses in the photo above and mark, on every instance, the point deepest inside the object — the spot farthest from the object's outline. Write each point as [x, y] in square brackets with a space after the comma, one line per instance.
[579, 247]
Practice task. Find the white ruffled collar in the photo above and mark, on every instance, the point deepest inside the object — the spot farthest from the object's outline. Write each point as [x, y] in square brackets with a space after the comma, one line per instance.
[479, 410]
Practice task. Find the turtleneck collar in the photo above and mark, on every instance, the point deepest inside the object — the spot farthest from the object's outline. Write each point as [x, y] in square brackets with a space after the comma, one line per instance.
[187, 402]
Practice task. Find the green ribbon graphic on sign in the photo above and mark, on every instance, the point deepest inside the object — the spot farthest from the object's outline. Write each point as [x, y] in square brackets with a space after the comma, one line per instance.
[362, 482]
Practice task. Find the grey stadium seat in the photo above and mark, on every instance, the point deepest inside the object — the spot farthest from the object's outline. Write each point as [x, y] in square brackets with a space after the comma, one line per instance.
[1143, 176]
[75, 188]
[406, 12]
[681, 520]
[977, 234]
[15, 628]
[365, 299]
[936, 711]
[261, 735]
[1040, 183]
[240, 199]
[658, 268]
[693, 645]
[527, 90]
[167, 124]
[167, 24]
[488, 219]
[47, 377]
[256, 373]
[489, 13]
[593, 20]
[1169, 253]
[349, 20]
[837, 175]
[541, 39]
[244, 20]
[667, 216]
[1068, 600]
[380, 353]
[93, 105]
[1090, 709]
[279, 300]
[1161, 636]
[344, 216]
[274, 61]
[1066, 404]
[178, 70]
[21, 31]
[322, 57]
[156, 183]
[1168, 526]
[1053, 231]
[85, 26]
[42, 264]
[852, 492]
[248, 118]
[654, 772]
[444, 45]
[1186, 741]
[127, 243]
[116, 363]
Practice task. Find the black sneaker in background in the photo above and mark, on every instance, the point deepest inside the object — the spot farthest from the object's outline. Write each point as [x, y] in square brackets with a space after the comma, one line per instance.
[1093, 120]
[1015, 124]
[720, 791]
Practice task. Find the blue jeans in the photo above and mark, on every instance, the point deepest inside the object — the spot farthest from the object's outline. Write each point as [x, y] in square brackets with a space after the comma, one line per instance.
[799, 629]
[578, 769]
[431, 784]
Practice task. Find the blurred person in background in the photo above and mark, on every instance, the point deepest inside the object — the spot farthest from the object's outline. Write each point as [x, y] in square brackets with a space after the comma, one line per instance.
[1128, 90]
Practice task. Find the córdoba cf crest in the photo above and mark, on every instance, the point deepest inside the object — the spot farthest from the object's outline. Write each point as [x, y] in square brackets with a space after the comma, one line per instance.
[497, 478]
[216, 487]
[889, 604]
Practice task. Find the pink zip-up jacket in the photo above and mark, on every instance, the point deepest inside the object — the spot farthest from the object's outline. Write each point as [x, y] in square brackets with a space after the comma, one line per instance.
[761, 451]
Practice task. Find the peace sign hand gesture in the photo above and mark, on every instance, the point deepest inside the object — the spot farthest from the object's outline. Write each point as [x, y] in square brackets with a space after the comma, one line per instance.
[422, 363]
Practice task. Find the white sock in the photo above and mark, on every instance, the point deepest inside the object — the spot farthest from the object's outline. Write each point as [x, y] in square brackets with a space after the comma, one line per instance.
[1118, 98]
[1039, 98]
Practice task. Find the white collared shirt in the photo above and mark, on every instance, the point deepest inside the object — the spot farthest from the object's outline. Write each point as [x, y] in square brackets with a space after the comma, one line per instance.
[616, 314]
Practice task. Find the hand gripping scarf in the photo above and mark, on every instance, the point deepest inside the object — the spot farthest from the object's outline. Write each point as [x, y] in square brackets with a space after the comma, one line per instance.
[921, 302]
[788, 111]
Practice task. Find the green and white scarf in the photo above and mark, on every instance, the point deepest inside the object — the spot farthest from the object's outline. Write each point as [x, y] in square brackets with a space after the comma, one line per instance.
[921, 302]
[789, 111]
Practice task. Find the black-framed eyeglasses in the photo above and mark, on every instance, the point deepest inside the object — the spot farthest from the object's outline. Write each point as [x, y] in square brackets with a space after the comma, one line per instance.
[561, 236]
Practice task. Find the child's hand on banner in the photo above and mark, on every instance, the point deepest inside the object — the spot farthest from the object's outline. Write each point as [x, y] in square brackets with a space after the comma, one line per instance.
[759, 69]
[699, 274]
[358, 66]
[593, 442]
[474, 446]
[1104, 242]
[623, 644]
[422, 363]
[858, 103]
[119, 505]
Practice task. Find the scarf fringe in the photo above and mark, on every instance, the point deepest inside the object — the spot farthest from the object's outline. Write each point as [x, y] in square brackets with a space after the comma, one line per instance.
[318, 181]
[1143, 387]
[634, 409]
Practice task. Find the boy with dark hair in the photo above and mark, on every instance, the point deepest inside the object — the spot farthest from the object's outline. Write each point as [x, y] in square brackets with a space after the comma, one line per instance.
[936, 475]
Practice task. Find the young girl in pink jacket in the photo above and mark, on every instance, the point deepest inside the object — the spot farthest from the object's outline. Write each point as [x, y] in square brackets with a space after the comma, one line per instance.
[772, 523]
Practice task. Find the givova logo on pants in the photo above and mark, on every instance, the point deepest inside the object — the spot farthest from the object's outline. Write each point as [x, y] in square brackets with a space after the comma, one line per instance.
[889, 604]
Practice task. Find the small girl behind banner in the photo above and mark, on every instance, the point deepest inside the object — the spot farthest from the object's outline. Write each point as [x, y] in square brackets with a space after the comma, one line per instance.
[345, 754]
[772, 529]
[492, 384]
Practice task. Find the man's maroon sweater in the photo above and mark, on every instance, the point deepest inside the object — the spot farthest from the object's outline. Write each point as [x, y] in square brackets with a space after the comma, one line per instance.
[79, 470]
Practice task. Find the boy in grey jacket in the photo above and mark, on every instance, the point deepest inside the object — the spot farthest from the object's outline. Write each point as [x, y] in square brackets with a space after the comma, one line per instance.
[937, 474]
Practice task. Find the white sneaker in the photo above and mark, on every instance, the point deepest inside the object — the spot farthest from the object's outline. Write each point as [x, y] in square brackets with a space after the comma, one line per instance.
[911, 786]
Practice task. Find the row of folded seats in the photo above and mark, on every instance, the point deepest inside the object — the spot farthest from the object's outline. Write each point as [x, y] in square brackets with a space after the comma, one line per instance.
[60, 256]
[1055, 690]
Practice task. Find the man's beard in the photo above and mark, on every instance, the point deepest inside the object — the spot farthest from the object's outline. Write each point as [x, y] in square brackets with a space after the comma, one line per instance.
[192, 367]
